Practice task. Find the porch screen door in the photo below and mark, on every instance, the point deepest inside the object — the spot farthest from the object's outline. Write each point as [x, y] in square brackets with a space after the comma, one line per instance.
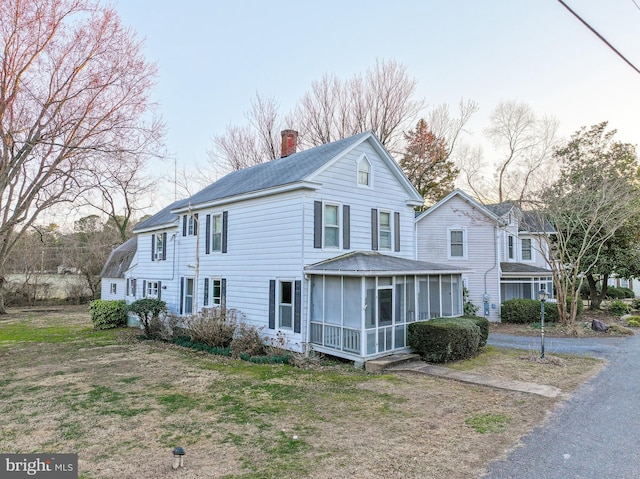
[385, 318]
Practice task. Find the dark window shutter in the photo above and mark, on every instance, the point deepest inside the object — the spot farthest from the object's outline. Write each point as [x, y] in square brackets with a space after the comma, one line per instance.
[144, 289]
[225, 224]
[153, 247]
[159, 289]
[223, 294]
[195, 224]
[346, 227]
[206, 292]
[396, 230]
[164, 246]
[128, 287]
[184, 225]
[207, 231]
[272, 304]
[374, 229]
[181, 295]
[297, 313]
[317, 224]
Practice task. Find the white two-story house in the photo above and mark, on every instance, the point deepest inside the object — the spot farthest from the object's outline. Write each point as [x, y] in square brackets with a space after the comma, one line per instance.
[497, 244]
[316, 247]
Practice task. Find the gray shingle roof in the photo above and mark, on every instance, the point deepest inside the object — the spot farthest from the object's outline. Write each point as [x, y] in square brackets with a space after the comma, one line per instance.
[501, 209]
[271, 174]
[120, 259]
[370, 263]
[162, 217]
[522, 268]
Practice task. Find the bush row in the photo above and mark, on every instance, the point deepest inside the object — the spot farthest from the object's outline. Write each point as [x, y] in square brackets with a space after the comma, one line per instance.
[523, 311]
[442, 340]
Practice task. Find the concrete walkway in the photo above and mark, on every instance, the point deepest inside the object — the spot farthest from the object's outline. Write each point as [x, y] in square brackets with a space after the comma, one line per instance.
[419, 367]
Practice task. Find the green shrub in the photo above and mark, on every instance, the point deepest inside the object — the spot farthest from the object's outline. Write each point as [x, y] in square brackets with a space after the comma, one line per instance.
[149, 312]
[108, 314]
[521, 311]
[527, 311]
[633, 321]
[615, 293]
[619, 308]
[635, 303]
[483, 324]
[628, 293]
[444, 339]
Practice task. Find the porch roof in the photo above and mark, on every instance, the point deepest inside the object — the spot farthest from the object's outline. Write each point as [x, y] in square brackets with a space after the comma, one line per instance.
[372, 263]
[523, 269]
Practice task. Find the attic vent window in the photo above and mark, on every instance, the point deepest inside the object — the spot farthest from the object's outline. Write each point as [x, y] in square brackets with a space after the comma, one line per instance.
[364, 172]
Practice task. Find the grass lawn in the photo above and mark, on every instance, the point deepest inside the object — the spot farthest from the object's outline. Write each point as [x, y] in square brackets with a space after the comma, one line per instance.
[123, 404]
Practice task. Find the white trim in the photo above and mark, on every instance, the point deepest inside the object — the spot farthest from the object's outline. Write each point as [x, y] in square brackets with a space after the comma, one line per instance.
[339, 225]
[369, 184]
[391, 230]
[465, 247]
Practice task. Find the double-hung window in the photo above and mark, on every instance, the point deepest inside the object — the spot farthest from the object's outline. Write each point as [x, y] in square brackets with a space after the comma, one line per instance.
[159, 246]
[510, 247]
[285, 305]
[526, 249]
[456, 243]
[331, 226]
[384, 228]
[216, 232]
[114, 288]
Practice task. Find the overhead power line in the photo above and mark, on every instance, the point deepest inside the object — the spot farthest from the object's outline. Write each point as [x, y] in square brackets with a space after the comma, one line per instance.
[599, 36]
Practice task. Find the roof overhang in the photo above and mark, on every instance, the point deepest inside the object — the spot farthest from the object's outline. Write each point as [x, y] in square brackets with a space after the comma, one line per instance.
[298, 185]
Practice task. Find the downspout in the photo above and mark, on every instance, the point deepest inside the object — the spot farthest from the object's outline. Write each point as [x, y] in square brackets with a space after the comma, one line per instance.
[486, 296]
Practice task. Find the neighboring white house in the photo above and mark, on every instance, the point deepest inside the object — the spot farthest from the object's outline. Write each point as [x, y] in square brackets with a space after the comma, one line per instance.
[114, 284]
[497, 244]
[317, 248]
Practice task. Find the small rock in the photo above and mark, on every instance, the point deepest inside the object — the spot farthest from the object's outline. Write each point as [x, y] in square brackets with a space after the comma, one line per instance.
[599, 326]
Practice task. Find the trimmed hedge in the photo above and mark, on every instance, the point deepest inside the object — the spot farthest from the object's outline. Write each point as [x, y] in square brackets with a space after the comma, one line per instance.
[108, 313]
[483, 324]
[526, 311]
[445, 339]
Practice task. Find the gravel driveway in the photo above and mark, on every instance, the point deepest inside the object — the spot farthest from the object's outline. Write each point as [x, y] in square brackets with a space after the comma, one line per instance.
[594, 434]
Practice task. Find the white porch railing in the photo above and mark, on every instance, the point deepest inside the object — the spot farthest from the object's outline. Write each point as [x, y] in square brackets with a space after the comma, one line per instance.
[336, 337]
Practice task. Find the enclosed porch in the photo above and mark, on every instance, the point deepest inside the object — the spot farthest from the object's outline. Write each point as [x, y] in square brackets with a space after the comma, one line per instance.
[522, 281]
[360, 304]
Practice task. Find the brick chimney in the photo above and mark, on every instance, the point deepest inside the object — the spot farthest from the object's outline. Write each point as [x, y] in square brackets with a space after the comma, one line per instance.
[289, 142]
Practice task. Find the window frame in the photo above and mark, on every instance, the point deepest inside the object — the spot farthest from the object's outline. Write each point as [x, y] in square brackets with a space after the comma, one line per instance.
[159, 247]
[530, 249]
[337, 227]
[511, 247]
[216, 219]
[113, 288]
[291, 304]
[152, 289]
[463, 243]
[364, 161]
[386, 231]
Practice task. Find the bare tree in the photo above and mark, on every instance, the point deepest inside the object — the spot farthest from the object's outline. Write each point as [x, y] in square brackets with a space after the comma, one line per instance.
[449, 128]
[120, 191]
[73, 89]
[382, 100]
[524, 144]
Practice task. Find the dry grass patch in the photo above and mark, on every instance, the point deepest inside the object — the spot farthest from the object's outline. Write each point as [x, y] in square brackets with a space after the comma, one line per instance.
[122, 405]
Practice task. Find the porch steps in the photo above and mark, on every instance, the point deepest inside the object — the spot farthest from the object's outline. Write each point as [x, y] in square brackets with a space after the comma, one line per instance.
[380, 364]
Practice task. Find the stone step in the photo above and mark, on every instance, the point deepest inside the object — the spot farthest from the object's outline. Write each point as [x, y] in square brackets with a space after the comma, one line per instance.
[380, 364]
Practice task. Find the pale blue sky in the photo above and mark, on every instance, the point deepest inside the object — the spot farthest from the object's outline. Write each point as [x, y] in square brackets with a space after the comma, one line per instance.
[213, 57]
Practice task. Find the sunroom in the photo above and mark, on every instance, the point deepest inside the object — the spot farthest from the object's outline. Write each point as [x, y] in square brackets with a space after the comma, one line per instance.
[361, 303]
[523, 281]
